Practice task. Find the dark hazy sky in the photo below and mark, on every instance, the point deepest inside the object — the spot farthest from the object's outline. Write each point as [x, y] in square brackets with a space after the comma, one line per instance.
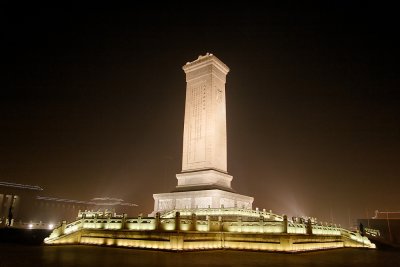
[92, 102]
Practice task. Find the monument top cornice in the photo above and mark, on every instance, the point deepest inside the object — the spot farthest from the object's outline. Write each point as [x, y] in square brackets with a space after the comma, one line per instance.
[202, 61]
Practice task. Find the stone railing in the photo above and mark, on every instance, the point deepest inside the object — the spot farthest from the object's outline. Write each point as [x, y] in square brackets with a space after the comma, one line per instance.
[267, 215]
[185, 221]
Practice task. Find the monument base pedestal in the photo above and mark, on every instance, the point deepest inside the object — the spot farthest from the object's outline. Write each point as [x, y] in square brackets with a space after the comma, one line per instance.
[203, 178]
[214, 198]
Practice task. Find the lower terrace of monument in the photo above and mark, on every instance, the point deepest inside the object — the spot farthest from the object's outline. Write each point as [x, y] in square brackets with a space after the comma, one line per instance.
[205, 229]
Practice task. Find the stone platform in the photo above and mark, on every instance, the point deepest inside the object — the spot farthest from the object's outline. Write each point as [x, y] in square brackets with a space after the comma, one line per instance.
[185, 230]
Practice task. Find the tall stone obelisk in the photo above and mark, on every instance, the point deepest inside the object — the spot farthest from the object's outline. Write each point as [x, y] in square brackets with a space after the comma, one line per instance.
[204, 135]
[204, 181]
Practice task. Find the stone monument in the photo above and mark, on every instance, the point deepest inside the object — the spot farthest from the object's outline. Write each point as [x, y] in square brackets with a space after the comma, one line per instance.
[204, 181]
[204, 212]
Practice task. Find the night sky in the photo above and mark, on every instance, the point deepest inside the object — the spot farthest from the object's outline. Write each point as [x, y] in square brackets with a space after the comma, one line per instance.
[92, 102]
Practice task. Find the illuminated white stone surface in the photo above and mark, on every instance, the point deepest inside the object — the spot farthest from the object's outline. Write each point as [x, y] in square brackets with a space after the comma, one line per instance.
[200, 199]
[204, 181]
[204, 134]
[202, 229]
[204, 178]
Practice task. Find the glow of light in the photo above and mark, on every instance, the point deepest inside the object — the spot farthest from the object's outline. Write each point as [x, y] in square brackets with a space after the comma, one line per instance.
[51, 226]
[30, 226]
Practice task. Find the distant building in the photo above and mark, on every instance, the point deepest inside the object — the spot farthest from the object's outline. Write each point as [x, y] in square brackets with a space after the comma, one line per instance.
[30, 208]
[18, 198]
[384, 227]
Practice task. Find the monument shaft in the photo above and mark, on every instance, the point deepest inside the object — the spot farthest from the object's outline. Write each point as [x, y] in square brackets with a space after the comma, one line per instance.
[204, 138]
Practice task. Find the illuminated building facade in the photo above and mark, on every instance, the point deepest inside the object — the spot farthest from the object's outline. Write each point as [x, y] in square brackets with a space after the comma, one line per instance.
[30, 207]
[17, 199]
